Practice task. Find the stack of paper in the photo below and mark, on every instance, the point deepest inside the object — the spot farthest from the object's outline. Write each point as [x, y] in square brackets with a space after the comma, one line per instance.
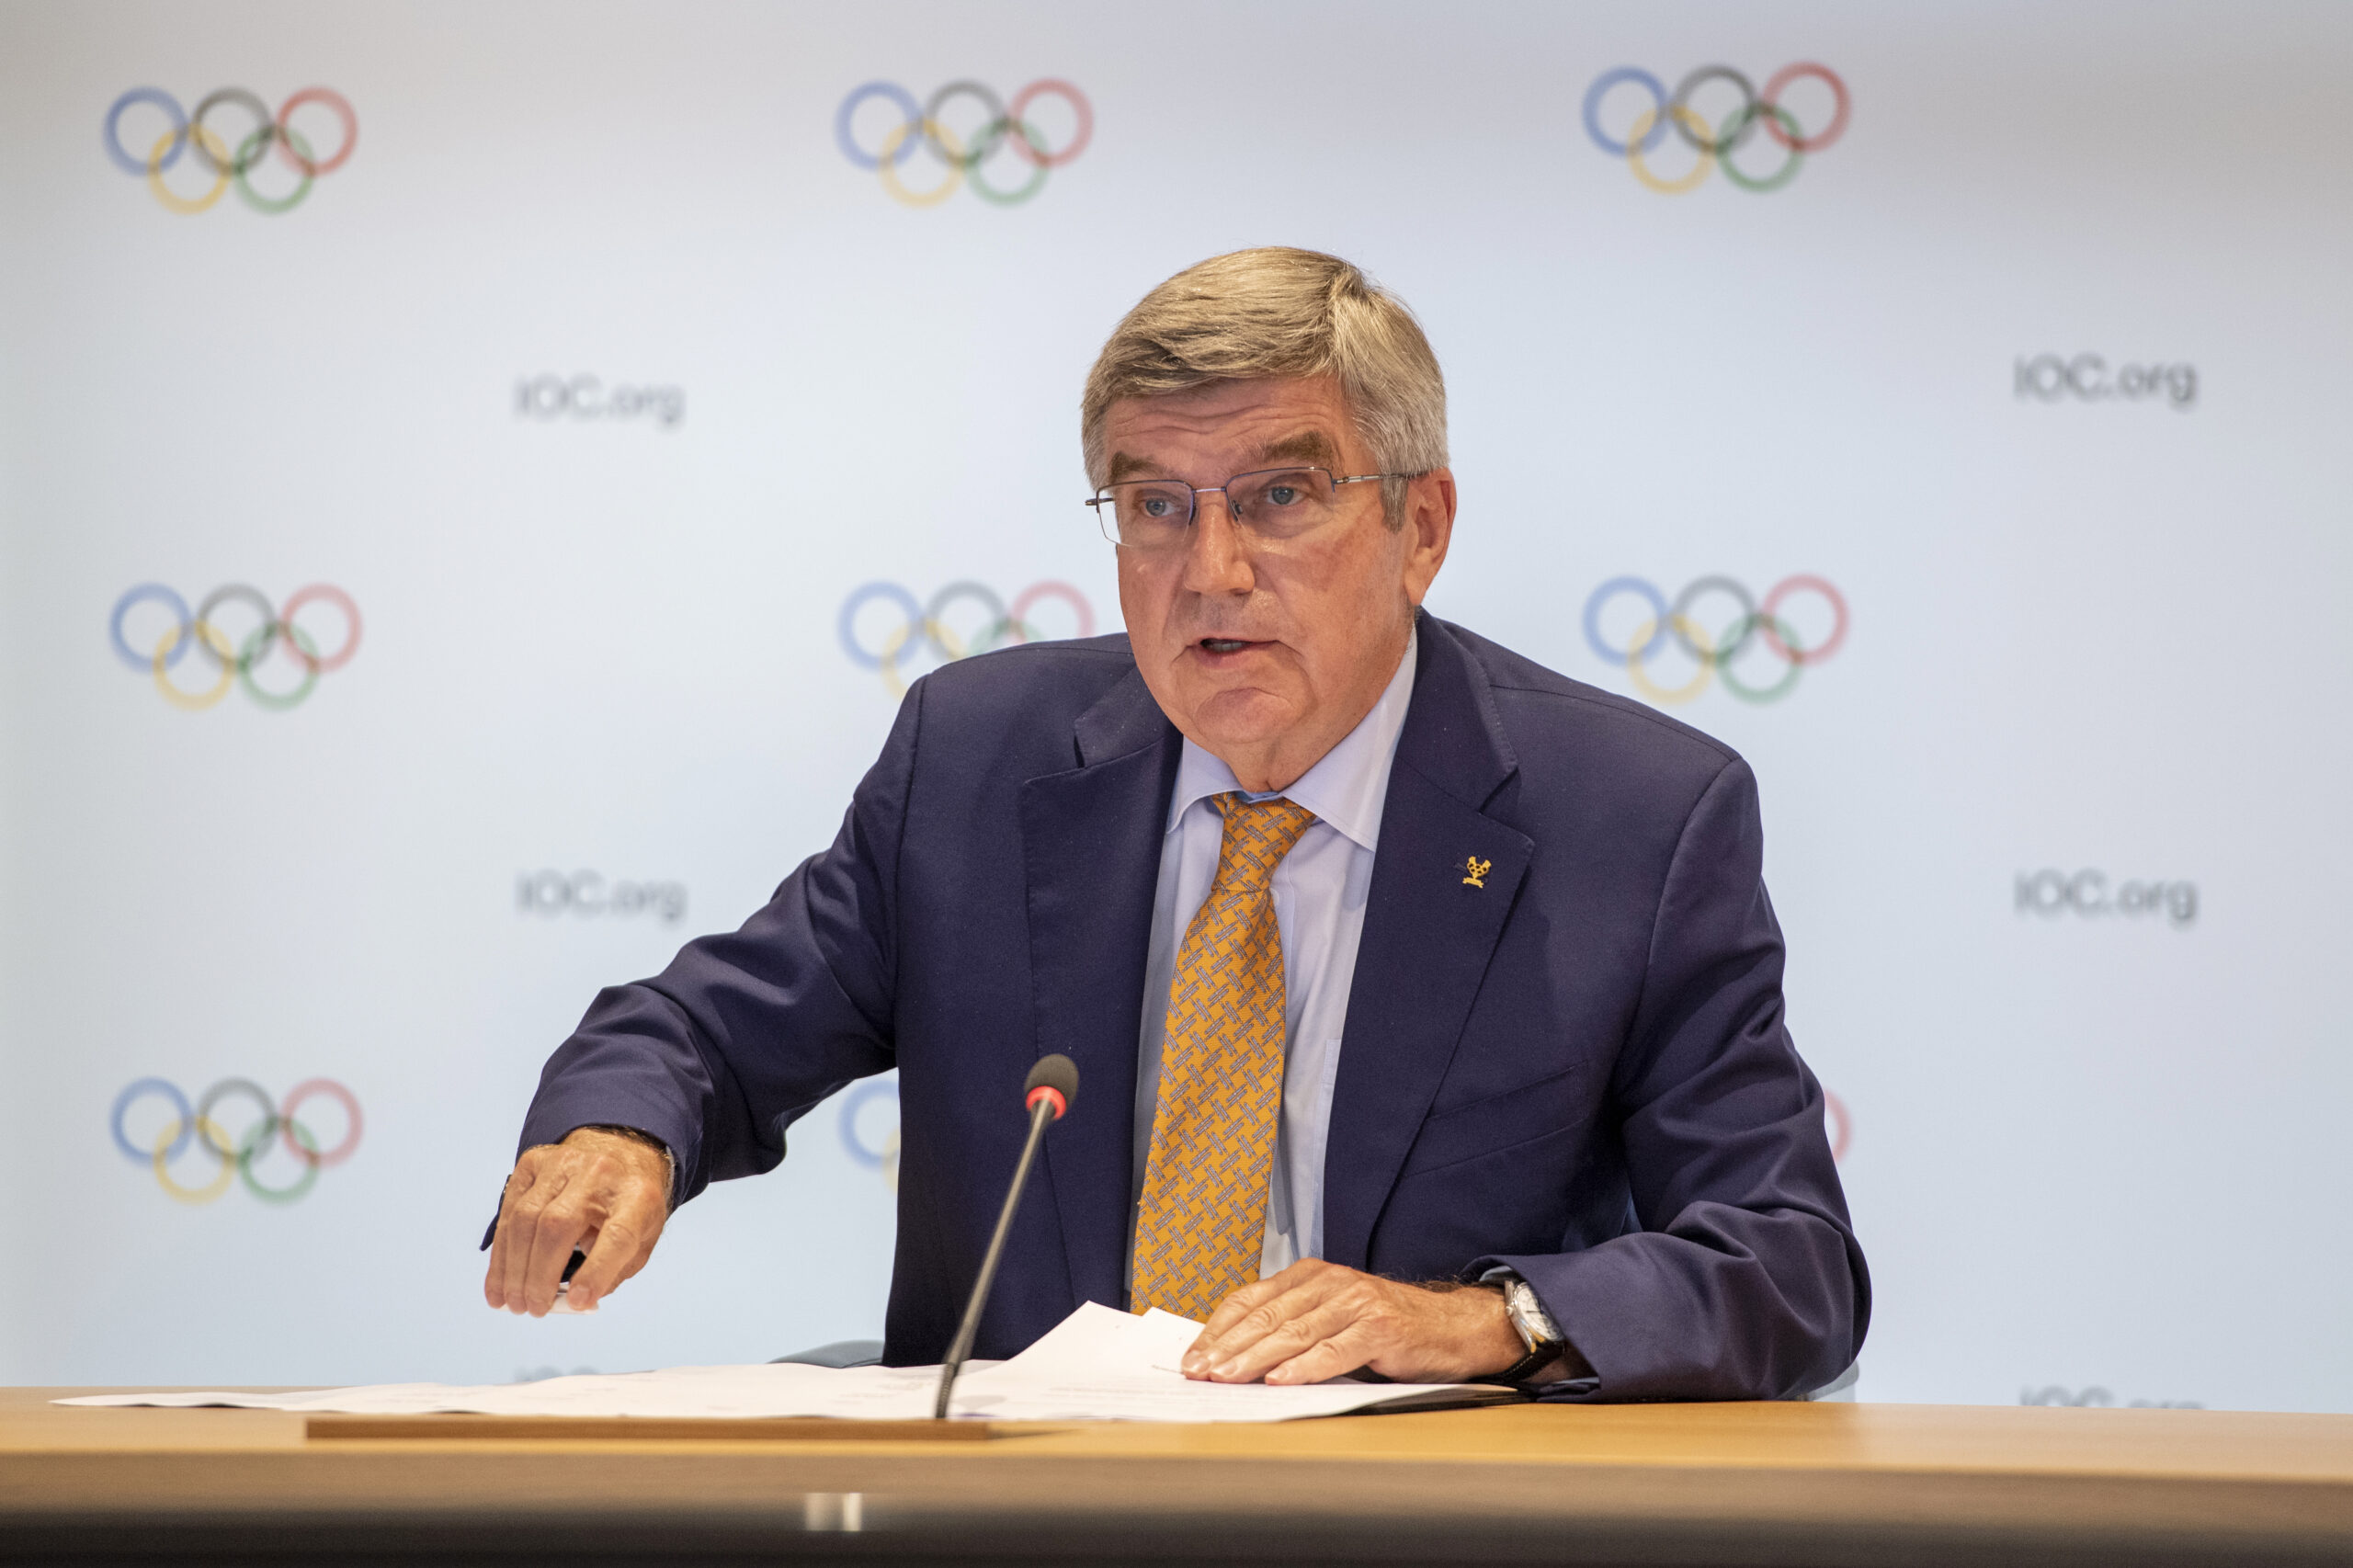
[1096, 1364]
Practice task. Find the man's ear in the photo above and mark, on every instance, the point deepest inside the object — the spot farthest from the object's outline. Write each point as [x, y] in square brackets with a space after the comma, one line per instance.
[1429, 529]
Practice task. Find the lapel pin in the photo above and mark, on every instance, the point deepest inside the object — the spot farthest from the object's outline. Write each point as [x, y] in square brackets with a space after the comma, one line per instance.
[1478, 869]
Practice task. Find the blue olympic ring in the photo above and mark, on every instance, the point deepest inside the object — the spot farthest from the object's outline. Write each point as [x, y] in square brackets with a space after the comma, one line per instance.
[1659, 117]
[847, 626]
[1610, 590]
[158, 593]
[187, 1124]
[873, 1159]
[900, 98]
[161, 100]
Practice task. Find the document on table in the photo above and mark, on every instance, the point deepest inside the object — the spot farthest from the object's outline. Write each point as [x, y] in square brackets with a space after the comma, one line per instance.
[1097, 1363]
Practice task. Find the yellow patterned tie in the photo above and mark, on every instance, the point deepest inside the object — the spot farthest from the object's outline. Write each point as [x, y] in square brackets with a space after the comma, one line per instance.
[1203, 1220]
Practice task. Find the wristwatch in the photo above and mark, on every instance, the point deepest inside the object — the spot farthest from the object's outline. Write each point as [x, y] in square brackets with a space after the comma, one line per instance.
[1536, 1330]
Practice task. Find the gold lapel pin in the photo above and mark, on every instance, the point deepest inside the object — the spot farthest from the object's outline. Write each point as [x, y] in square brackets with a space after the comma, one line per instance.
[1478, 869]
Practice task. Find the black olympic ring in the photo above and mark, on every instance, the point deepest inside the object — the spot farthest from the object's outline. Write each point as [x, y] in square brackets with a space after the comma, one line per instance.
[237, 1156]
[1700, 141]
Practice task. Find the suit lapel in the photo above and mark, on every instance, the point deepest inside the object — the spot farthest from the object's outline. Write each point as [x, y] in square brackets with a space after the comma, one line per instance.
[1091, 840]
[1444, 877]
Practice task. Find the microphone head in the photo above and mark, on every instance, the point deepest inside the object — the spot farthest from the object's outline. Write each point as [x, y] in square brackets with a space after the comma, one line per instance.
[1056, 1076]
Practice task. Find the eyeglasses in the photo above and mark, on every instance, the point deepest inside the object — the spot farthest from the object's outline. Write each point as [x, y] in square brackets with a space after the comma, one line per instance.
[1273, 506]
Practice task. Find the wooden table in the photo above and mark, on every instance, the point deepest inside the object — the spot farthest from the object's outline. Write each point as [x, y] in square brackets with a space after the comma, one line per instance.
[1747, 1483]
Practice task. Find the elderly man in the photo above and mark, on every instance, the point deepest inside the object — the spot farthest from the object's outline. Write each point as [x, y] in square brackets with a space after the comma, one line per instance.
[1428, 1003]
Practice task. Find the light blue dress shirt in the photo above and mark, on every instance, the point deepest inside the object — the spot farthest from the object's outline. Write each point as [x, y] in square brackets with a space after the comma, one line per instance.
[1319, 889]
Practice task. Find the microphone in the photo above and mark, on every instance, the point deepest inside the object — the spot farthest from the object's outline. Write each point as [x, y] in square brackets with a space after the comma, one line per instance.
[1051, 1086]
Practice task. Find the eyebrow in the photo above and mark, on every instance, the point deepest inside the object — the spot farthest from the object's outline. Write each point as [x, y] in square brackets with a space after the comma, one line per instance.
[1308, 446]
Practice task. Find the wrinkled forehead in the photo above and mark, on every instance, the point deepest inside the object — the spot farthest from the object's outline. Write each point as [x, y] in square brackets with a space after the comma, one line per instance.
[1232, 426]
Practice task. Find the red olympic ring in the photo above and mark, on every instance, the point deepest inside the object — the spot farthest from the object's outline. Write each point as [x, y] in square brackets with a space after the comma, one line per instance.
[342, 110]
[303, 1091]
[1769, 101]
[1842, 1126]
[1781, 590]
[1086, 133]
[332, 594]
[1019, 611]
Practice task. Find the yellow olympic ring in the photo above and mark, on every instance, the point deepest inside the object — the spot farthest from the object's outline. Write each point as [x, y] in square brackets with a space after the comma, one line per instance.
[213, 1138]
[227, 657]
[1689, 121]
[1690, 688]
[888, 168]
[899, 639]
[890, 1161]
[214, 145]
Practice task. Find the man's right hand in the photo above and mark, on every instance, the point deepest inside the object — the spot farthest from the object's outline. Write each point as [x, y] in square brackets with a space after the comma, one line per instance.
[604, 1193]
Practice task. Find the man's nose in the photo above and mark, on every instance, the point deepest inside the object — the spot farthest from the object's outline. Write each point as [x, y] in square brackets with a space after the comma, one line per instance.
[1216, 560]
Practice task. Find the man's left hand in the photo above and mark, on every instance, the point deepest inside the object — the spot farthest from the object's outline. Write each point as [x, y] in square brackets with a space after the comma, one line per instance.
[1316, 1320]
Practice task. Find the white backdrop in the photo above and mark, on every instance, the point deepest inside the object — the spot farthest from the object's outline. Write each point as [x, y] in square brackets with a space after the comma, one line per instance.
[2056, 829]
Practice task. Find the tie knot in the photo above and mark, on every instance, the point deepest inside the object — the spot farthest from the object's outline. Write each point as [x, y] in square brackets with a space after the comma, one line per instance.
[1258, 834]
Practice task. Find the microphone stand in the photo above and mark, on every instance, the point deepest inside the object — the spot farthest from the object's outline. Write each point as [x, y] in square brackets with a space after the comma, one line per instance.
[1045, 1105]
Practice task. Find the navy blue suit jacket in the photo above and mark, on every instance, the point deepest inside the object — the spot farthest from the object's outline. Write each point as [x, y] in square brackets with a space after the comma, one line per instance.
[1578, 1069]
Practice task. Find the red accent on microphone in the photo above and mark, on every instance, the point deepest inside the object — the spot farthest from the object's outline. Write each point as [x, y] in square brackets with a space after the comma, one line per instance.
[1047, 1092]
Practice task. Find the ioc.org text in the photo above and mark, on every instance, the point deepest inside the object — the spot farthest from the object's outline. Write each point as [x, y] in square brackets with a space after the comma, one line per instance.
[550, 398]
[2089, 378]
[2095, 895]
[593, 894]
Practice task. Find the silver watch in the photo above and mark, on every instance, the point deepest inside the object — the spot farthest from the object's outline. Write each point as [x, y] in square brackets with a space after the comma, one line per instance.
[1535, 1327]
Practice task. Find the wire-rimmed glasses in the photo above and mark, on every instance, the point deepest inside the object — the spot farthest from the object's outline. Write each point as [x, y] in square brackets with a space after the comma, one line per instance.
[1271, 505]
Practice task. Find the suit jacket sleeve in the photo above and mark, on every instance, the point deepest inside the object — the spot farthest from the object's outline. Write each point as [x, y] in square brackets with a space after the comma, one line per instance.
[1744, 1280]
[745, 1031]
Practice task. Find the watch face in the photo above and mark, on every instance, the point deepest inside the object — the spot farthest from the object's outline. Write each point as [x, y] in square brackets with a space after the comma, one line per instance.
[1527, 1319]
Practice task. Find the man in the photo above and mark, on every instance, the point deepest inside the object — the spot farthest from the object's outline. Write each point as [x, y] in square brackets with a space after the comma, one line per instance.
[1438, 990]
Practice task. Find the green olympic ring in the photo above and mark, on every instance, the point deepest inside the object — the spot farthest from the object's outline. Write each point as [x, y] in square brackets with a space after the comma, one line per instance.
[298, 1133]
[257, 643]
[1728, 137]
[987, 142]
[1737, 634]
[249, 151]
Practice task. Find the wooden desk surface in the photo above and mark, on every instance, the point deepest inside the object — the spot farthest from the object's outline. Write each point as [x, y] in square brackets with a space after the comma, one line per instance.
[1724, 1483]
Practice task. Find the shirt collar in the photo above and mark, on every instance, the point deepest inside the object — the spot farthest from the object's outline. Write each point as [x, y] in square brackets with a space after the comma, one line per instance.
[1346, 787]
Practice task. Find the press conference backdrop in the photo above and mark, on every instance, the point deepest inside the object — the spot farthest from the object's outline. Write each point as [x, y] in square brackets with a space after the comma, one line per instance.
[477, 481]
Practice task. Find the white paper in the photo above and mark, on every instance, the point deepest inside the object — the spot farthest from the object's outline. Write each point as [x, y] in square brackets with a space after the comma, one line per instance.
[1097, 1363]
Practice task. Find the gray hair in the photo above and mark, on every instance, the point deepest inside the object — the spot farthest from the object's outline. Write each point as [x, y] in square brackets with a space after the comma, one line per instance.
[1277, 312]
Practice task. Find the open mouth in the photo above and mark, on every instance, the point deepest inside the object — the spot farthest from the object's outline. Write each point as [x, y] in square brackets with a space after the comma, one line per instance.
[1224, 645]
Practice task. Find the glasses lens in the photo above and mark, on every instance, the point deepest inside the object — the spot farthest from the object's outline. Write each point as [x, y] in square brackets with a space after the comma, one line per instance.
[1147, 513]
[1281, 502]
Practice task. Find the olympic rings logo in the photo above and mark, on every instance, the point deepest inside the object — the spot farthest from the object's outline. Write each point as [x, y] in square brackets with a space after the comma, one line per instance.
[1715, 144]
[1755, 625]
[237, 1156]
[189, 132]
[1002, 125]
[884, 1156]
[923, 626]
[234, 660]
